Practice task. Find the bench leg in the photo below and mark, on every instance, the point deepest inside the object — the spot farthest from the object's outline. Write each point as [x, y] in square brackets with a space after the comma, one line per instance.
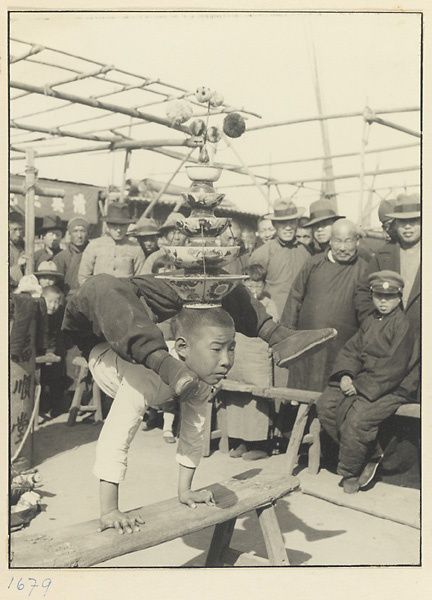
[296, 438]
[220, 543]
[76, 401]
[273, 539]
[207, 428]
[315, 447]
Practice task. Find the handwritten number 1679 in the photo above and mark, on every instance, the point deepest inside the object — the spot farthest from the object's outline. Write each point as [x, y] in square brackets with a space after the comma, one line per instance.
[20, 584]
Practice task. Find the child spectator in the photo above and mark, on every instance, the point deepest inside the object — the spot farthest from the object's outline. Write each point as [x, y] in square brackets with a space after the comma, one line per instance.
[247, 415]
[205, 343]
[48, 274]
[369, 382]
[53, 376]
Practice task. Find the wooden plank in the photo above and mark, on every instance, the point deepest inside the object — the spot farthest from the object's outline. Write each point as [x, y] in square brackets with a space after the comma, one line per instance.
[81, 545]
[273, 539]
[391, 502]
[220, 543]
[296, 438]
[314, 454]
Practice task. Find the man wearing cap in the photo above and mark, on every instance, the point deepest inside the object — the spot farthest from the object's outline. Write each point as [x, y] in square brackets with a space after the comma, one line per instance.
[322, 296]
[52, 232]
[370, 379]
[146, 233]
[17, 259]
[322, 217]
[112, 253]
[68, 261]
[402, 256]
[172, 237]
[281, 257]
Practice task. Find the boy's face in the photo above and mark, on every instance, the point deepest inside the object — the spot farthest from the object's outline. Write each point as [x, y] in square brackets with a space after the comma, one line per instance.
[53, 302]
[46, 281]
[385, 303]
[209, 354]
[256, 288]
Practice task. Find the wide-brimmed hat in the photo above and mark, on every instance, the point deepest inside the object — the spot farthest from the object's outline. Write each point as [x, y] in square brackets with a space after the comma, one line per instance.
[386, 207]
[50, 223]
[48, 269]
[322, 210]
[284, 210]
[118, 213]
[171, 222]
[406, 207]
[143, 227]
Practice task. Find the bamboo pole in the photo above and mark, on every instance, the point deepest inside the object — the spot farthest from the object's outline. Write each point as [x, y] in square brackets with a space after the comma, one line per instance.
[62, 133]
[95, 104]
[327, 117]
[156, 199]
[364, 142]
[30, 185]
[35, 49]
[386, 123]
[318, 179]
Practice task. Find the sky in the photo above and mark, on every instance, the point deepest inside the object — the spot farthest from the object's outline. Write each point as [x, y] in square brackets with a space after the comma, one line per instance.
[262, 62]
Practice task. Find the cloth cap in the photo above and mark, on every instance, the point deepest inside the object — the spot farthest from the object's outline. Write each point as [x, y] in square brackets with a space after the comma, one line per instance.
[143, 227]
[171, 222]
[386, 282]
[48, 269]
[118, 213]
[321, 210]
[16, 217]
[284, 209]
[50, 223]
[78, 221]
[406, 207]
[386, 207]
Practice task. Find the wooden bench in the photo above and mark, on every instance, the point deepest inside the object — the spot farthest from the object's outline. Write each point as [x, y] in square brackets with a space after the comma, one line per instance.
[76, 407]
[82, 546]
[305, 399]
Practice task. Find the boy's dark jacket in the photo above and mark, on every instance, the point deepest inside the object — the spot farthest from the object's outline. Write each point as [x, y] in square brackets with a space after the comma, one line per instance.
[382, 357]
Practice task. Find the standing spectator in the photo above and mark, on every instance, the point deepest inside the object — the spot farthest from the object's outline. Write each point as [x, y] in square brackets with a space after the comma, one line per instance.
[146, 234]
[52, 231]
[402, 256]
[322, 295]
[233, 236]
[322, 217]
[68, 261]
[304, 234]
[171, 236]
[113, 253]
[17, 258]
[281, 257]
[266, 231]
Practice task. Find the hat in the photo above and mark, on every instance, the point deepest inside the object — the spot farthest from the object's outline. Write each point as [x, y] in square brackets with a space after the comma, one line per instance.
[78, 222]
[171, 222]
[118, 213]
[48, 269]
[284, 210]
[143, 228]
[406, 207]
[386, 282]
[50, 223]
[386, 207]
[321, 210]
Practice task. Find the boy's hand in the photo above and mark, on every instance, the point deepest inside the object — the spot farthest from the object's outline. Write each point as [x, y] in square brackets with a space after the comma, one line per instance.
[346, 386]
[192, 498]
[120, 521]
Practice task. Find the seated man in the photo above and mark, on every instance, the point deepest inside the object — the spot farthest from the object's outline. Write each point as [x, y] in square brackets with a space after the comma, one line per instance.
[374, 374]
[205, 343]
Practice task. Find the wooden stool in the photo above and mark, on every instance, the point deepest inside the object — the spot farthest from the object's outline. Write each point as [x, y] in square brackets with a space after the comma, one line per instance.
[81, 545]
[76, 408]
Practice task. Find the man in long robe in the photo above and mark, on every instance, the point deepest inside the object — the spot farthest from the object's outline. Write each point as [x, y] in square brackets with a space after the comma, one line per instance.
[322, 296]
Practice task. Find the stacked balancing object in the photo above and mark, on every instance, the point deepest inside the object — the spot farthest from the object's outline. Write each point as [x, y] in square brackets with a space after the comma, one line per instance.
[201, 283]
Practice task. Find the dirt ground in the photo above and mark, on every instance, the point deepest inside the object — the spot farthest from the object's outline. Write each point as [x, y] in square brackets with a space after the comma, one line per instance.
[316, 532]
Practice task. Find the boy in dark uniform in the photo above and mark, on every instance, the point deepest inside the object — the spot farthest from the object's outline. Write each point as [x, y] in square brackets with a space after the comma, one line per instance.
[374, 374]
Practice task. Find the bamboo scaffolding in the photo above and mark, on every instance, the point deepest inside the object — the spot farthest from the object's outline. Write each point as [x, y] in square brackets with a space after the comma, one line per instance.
[372, 118]
[33, 50]
[62, 133]
[95, 104]
[29, 192]
[328, 117]
[318, 179]
[39, 191]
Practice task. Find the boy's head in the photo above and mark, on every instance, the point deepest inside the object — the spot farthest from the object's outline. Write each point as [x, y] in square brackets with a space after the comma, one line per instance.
[53, 298]
[256, 282]
[386, 288]
[205, 340]
[48, 274]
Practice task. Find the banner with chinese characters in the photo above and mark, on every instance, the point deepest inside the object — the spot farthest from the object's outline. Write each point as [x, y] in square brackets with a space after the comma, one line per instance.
[80, 200]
